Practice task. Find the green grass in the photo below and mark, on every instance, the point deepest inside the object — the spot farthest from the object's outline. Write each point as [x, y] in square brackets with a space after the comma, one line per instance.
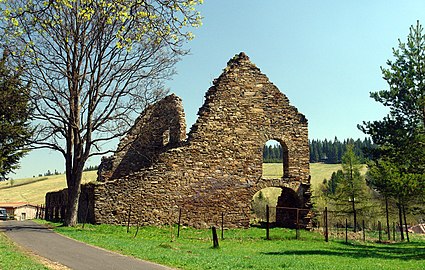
[272, 170]
[248, 249]
[318, 171]
[12, 258]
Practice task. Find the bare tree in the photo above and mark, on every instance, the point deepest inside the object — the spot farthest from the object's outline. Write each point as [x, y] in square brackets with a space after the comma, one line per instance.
[93, 65]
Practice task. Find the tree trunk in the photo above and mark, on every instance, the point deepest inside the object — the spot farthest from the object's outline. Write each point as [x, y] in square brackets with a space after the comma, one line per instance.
[405, 224]
[354, 214]
[388, 221]
[401, 221]
[74, 190]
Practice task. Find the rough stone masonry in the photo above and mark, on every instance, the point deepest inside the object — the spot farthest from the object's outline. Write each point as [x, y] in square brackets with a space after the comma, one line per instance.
[217, 169]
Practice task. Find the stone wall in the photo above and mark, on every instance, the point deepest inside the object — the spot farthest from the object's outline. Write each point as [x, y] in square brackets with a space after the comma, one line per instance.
[160, 127]
[56, 204]
[218, 168]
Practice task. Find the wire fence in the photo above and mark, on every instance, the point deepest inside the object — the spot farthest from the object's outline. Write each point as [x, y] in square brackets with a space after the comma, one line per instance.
[331, 225]
[336, 225]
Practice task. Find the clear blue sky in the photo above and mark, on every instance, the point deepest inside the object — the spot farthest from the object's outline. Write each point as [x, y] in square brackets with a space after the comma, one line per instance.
[324, 55]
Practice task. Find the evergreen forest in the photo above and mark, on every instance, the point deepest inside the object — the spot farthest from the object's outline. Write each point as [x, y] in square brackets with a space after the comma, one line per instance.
[325, 151]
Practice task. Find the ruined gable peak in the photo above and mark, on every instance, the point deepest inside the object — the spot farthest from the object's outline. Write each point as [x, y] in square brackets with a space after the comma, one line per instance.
[239, 60]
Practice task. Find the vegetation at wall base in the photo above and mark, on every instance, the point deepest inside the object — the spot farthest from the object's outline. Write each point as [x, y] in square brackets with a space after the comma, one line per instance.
[248, 249]
[11, 258]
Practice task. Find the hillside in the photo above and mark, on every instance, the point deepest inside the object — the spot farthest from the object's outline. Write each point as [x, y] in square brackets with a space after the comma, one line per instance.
[33, 190]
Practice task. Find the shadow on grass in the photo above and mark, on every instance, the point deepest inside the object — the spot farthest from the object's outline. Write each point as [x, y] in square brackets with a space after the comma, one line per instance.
[400, 251]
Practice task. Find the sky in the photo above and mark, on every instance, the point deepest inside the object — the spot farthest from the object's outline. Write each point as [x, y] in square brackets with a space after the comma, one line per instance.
[325, 56]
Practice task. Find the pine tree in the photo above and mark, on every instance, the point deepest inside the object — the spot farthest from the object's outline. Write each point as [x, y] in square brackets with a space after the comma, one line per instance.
[332, 184]
[351, 188]
[14, 115]
[400, 136]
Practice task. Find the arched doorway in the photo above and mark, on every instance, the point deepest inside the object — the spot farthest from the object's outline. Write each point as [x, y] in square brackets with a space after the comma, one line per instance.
[275, 159]
[287, 210]
[266, 196]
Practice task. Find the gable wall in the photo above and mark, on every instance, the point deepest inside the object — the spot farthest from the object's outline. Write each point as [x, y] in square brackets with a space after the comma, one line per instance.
[218, 169]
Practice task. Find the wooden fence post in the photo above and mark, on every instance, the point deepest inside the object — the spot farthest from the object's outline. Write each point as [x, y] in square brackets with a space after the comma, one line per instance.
[364, 231]
[298, 225]
[128, 222]
[346, 231]
[215, 238]
[379, 232]
[222, 225]
[87, 212]
[267, 222]
[394, 231]
[137, 230]
[326, 225]
[178, 225]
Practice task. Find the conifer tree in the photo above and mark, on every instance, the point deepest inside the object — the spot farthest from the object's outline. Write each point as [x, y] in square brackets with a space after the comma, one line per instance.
[400, 136]
[14, 115]
[351, 187]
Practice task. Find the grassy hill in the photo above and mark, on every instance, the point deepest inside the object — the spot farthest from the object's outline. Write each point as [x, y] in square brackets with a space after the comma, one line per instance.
[318, 171]
[33, 190]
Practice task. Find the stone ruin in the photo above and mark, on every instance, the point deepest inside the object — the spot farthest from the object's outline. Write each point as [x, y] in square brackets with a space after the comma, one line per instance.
[216, 169]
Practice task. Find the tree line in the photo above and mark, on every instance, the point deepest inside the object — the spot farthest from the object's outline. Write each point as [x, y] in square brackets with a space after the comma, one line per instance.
[326, 151]
[396, 170]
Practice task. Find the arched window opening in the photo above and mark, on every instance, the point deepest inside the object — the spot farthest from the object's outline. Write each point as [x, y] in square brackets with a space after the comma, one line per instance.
[275, 160]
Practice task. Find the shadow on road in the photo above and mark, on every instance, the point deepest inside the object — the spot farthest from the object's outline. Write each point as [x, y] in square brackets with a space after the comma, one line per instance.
[13, 225]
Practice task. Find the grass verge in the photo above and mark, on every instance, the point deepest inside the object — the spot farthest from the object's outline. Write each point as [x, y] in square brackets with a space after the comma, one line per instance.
[11, 258]
[248, 249]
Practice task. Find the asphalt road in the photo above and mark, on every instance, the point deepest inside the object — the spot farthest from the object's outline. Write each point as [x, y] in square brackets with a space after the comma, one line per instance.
[73, 254]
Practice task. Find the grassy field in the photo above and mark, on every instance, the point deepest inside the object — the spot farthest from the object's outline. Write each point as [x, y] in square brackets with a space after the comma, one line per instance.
[318, 171]
[248, 249]
[11, 258]
[33, 190]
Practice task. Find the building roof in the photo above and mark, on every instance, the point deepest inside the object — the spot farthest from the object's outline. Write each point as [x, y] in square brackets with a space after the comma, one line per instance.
[14, 204]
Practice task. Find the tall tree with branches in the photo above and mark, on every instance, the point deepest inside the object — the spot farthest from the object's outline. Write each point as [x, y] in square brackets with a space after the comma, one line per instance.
[94, 65]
